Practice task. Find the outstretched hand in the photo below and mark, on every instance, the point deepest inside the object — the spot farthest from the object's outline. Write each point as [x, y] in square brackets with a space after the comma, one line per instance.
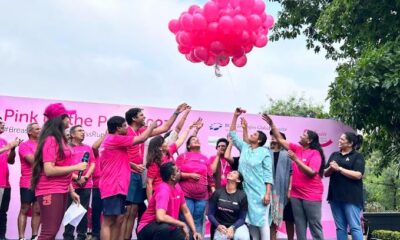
[182, 107]
[267, 119]
[239, 111]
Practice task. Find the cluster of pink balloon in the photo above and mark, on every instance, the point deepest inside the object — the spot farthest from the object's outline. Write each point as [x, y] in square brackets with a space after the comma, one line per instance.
[221, 31]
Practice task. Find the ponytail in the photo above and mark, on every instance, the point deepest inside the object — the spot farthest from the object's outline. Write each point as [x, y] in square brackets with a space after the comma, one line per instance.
[314, 138]
[355, 139]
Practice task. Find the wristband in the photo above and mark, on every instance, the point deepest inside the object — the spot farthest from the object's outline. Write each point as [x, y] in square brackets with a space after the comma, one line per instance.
[176, 113]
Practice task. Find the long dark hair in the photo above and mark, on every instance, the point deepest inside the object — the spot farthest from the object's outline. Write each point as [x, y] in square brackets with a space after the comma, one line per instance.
[53, 127]
[314, 144]
[355, 140]
[154, 153]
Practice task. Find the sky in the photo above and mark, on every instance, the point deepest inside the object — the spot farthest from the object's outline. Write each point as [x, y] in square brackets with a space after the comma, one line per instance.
[121, 52]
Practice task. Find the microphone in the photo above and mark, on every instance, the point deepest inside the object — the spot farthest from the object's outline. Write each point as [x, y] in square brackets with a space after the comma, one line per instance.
[85, 159]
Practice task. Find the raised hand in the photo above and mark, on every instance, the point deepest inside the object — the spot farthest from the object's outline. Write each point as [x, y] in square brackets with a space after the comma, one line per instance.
[239, 111]
[267, 119]
[182, 107]
[243, 122]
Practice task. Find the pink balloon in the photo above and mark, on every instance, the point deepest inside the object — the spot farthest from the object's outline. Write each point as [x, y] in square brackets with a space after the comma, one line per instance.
[184, 39]
[199, 22]
[223, 61]
[248, 48]
[259, 6]
[173, 25]
[194, 8]
[216, 47]
[211, 11]
[239, 62]
[213, 27]
[184, 50]
[201, 53]
[269, 22]
[225, 24]
[186, 21]
[261, 41]
[193, 58]
[222, 3]
[210, 61]
[235, 3]
[238, 52]
[245, 36]
[254, 21]
[246, 5]
[239, 22]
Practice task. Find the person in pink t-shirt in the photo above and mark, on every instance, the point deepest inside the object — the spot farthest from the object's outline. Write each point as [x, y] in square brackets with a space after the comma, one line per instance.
[7, 156]
[97, 205]
[158, 153]
[221, 166]
[197, 180]
[306, 191]
[52, 170]
[81, 181]
[137, 193]
[160, 220]
[115, 171]
[28, 200]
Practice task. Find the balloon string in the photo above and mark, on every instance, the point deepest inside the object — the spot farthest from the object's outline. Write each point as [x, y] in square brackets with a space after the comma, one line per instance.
[217, 70]
[235, 93]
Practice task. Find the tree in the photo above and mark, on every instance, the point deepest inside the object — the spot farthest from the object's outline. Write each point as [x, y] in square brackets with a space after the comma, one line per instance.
[364, 35]
[295, 106]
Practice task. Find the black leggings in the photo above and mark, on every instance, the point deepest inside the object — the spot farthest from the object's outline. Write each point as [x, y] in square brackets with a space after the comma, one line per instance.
[160, 231]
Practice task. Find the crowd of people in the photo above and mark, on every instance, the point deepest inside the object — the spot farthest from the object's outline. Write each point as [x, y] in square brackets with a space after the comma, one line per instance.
[135, 173]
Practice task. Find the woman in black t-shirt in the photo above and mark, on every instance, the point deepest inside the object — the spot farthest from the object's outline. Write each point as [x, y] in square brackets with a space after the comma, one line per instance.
[227, 209]
[345, 194]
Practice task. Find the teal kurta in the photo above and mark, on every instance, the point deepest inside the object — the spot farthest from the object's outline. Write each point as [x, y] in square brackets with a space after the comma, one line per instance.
[256, 167]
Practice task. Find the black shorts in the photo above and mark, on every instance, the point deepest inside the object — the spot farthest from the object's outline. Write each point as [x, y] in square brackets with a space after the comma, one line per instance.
[288, 213]
[114, 205]
[27, 195]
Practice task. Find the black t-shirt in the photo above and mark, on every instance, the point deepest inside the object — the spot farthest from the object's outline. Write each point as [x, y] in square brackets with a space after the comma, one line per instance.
[342, 188]
[276, 158]
[228, 205]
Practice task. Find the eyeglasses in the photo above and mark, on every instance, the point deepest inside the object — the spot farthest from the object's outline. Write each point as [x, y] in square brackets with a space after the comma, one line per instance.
[221, 146]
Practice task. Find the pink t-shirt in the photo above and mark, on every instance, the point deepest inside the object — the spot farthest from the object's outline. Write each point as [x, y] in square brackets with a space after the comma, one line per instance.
[56, 184]
[304, 187]
[96, 173]
[192, 162]
[166, 197]
[114, 162]
[153, 171]
[4, 172]
[136, 152]
[225, 169]
[77, 153]
[25, 149]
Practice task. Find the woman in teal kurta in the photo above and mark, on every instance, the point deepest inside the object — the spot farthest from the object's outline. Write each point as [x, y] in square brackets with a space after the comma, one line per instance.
[255, 165]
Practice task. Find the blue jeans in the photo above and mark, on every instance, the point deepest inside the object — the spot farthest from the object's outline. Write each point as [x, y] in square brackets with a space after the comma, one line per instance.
[197, 209]
[347, 214]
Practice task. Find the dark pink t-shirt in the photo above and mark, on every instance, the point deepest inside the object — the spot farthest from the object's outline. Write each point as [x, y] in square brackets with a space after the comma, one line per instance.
[25, 149]
[167, 197]
[153, 171]
[225, 169]
[136, 152]
[56, 184]
[192, 162]
[77, 153]
[4, 172]
[114, 162]
[304, 187]
[96, 173]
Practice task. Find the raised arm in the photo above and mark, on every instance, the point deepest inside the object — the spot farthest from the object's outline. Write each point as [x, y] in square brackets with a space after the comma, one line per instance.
[183, 136]
[275, 131]
[96, 145]
[168, 124]
[145, 135]
[197, 126]
[243, 122]
[182, 120]
[228, 152]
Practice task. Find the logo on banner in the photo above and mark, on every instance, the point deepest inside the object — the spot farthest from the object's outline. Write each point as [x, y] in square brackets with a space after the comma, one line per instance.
[215, 126]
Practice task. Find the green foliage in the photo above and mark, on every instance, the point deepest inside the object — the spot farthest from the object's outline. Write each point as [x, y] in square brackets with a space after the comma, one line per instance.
[295, 106]
[364, 35]
[343, 28]
[386, 235]
[382, 185]
[366, 95]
